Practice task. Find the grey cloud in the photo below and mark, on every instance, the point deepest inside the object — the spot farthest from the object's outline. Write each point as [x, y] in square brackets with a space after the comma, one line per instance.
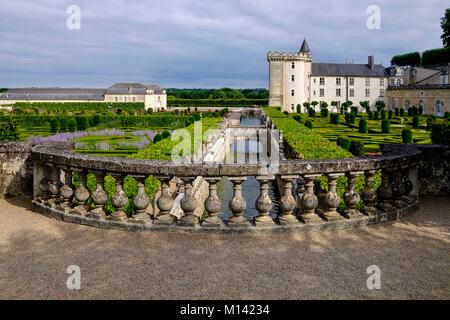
[181, 43]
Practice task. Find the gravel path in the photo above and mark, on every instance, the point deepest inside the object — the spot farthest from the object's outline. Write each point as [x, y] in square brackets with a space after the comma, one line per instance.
[413, 254]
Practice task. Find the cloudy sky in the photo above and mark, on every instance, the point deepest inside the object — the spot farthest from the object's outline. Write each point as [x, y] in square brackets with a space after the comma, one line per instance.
[201, 43]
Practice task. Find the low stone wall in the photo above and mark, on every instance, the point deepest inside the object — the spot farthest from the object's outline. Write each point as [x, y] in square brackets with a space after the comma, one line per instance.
[16, 169]
[434, 170]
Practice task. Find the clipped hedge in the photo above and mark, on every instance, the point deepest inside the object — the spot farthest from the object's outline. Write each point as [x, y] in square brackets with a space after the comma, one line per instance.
[219, 103]
[440, 133]
[407, 136]
[407, 59]
[306, 143]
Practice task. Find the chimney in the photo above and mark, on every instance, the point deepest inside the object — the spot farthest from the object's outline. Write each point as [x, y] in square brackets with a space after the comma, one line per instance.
[371, 62]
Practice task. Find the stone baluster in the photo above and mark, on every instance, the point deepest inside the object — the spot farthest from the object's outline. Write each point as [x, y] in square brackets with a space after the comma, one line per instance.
[40, 181]
[188, 204]
[287, 202]
[119, 200]
[165, 203]
[264, 203]
[81, 193]
[408, 185]
[141, 202]
[67, 190]
[309, 201]
[54, 185]
[213, 205]
[398, 188]
[238, 204]
[351, 197]
[369, 195]
[99, 196]
[331, 198]
[385, 192]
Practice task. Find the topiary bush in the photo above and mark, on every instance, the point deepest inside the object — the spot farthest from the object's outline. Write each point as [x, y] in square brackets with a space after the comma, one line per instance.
[309, 124]
[440, 133]
[385, 126]
[415, 122]
[166, 134]
[334, 118]
[407, 136]
[363, 128]
[420, 110]
[298, 118]
[390, 114]
[430, 122]
[357, 148]
[72, 125]
[344, 143]
[383, 114]
[370, 114]
[324, 113]
[8, 131]
[158, 137]
[312, 113]
[402, 112]
[54, 125]
[397, 112]
[376, 115]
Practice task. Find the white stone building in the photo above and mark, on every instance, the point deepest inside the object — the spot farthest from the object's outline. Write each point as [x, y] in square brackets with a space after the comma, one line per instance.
[154, 97]
[294, 79]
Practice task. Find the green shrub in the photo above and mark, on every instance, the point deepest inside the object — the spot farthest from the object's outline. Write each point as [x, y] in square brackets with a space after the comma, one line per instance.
[63, 124]
[370, 114]
[298, 118]
[376, 115]
[166, 134]
[357, 148]
[158, 137]
[72, 125]
[299, 108]
[402, 112]
[440, 133]
[54, 125]
[390, 114]
[397, 112]
[407, 59]
[324, 112]
[407, 136]
[420, 110]
[385, 126]
[309, 124]
[414, 111]
[415, 122]
[344, 143]
[286, 113]
[363, 126]
[410, 112]
[334, 118]
[82, 123]
[383, 114]
[8, 131]
[312, 113]
[430, 122]
[447, 115]
[96, 120]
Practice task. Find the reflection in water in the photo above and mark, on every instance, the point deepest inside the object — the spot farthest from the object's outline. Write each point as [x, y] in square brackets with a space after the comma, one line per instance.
[250, 188]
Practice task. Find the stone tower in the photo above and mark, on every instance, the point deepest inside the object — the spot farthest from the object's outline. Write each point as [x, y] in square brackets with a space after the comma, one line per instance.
[289, 77]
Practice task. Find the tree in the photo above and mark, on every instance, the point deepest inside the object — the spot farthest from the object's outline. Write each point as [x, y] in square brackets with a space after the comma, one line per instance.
[365, 105]
[54, 126]
[363, 126]
[445, 25]
[306, 105]
[380, 105]
[385, 126]
[314, 104]
[299, 108]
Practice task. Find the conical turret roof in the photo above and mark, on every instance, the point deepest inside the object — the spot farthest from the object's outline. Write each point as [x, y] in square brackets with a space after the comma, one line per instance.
[305, 47]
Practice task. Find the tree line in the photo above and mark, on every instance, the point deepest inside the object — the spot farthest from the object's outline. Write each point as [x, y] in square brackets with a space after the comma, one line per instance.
[214, 94]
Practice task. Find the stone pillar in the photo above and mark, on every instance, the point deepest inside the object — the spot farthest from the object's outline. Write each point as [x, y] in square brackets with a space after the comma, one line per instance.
[385, 192]
[287, 202]
[54, 185]
[81, 193]
[351, 197]
[309, 201]
[264, 203]
[99, 196]
[141, 202]
[331, 198]
[119, 200]
[213, 205]
[165, 204]
[40, 181]
[67, 191]
[237, 204]
[398, 188]
[369, 195]
[188, 204]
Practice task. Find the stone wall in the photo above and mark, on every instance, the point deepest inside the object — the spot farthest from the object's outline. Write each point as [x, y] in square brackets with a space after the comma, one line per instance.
[16, 169]
[434, 170]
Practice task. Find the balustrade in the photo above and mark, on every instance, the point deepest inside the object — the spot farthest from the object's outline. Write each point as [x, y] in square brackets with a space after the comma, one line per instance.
[58, 189]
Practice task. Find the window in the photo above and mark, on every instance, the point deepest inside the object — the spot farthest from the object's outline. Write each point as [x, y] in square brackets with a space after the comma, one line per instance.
[352, 93]
[322, 92]
[293, 65]
[292, 107]
[124, 99]
[293, 78]
[314, 92]
[382, 92]
[367, 92]
[382, 82]
[133, 99]
[314, 80]
[116, 99]
[322, 81]
[293, 93]
[338, 81]
[367, 81]
[352, 81]
[399, 82]
[392, 82]
[338, 92]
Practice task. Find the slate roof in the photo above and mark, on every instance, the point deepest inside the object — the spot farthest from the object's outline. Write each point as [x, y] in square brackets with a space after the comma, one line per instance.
[133, 88]
[347, 69]
[305, 47]
[53, 94]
